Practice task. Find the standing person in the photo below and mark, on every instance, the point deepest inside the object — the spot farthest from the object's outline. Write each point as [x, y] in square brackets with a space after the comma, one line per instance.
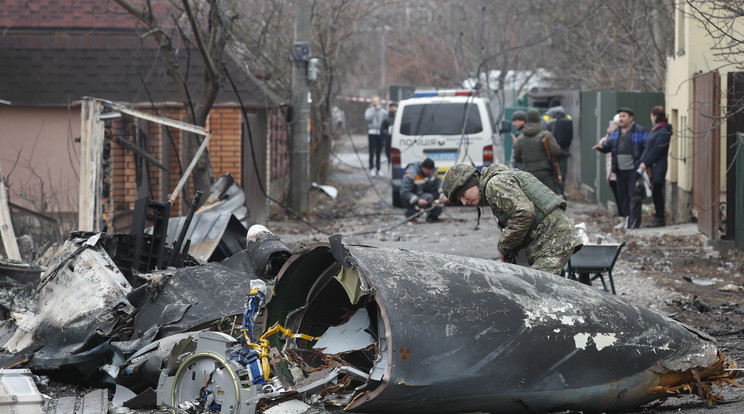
[531, 216]
[386, 129]
[655, 159]
[626, 144]
[560, 124]
[421, 188]
[374, 116]
[531, 153]
[611, 177]
[519, 118]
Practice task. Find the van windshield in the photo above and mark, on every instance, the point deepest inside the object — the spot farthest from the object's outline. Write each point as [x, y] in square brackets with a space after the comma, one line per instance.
[440, 119]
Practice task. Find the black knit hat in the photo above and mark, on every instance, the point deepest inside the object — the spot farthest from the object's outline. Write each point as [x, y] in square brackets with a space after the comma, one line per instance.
[533, 116]
[519, 116]
[427, 163]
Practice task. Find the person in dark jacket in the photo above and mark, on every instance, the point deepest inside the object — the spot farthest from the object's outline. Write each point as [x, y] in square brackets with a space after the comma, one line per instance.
[386, 130]
[560, 124]
[519, 118]
[655, 159]
[529, 151]
[626, 144]
[421, 189]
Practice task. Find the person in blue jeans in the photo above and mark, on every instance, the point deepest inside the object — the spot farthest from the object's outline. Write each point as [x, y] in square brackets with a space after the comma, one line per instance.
[626, 144]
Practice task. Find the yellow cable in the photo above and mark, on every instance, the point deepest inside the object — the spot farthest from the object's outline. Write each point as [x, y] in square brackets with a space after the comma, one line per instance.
[263, 345]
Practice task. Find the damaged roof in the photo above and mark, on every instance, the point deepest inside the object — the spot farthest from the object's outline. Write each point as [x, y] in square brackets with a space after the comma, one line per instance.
[53, 53]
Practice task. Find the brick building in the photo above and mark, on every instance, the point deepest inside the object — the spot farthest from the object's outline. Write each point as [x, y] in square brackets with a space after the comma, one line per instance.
[53, 54]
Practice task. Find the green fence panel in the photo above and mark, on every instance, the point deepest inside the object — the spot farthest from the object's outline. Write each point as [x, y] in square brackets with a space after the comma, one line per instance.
[597, 110]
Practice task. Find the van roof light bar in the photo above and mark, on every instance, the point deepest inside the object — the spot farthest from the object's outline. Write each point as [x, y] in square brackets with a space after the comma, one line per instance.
[444, 92]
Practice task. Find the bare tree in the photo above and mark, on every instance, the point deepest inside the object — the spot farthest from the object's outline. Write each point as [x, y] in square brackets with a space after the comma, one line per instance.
[719, 19]
[621, 45]
[265, 37]
[206, 26]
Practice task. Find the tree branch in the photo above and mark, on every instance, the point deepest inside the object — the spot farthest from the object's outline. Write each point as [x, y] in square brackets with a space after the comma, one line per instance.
[203, 49]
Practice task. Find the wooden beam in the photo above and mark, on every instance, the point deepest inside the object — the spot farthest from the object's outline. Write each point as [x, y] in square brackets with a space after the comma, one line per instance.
[186, 173]
[154, 118]
[165, 157]
[91, 164]
[6, 225]
[139, 151]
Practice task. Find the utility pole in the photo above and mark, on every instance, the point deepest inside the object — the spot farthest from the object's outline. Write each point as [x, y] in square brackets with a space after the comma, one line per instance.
[383, 62]
[299, 145]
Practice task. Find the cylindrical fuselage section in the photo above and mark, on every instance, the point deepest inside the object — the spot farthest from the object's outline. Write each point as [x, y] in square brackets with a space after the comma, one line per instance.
[468, 334]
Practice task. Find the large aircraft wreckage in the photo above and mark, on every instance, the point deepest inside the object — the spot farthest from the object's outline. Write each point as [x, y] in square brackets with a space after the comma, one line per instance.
[362, 329]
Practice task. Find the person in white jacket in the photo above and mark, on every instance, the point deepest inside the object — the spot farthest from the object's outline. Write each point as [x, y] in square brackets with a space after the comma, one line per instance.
[374, 115]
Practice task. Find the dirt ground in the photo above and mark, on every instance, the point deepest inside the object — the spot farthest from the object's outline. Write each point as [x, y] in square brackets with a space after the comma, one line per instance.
[671, 270]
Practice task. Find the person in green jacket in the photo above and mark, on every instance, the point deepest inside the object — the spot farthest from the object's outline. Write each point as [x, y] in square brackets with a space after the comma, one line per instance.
[531, 216]
[530, 152]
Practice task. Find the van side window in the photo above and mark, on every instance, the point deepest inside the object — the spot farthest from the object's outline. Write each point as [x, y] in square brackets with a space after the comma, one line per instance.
[440, 119]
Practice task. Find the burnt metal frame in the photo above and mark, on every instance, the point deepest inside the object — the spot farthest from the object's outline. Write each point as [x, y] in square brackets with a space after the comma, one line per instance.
[149, 249]
[595, 259]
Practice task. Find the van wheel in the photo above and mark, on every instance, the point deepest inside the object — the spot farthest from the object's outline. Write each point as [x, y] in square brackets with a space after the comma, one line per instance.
[396, 197]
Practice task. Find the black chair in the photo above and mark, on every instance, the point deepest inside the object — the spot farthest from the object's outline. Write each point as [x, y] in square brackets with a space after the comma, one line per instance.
[595, 259]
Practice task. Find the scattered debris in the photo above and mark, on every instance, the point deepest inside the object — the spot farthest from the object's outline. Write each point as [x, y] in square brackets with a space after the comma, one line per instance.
[352, 327]
[364, 328]
[226, 197]
[213, 236]
[18, 393]
[732, 288]
[700, 281]
[328, 189]
[21, 272]
[94, 402]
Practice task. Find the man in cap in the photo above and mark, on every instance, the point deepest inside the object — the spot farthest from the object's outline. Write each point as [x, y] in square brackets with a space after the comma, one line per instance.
[626, 144]
[531, 216]
[421, 189]
[531, 152]
[519, 118]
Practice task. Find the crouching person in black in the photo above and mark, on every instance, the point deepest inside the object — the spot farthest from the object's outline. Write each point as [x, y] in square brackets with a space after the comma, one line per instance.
[421, 189]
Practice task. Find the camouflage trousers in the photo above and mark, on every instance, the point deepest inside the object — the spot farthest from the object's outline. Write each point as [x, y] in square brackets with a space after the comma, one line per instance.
[556, 239]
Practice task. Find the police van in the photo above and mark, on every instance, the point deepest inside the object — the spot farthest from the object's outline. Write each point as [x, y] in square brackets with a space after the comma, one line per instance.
[449, 126]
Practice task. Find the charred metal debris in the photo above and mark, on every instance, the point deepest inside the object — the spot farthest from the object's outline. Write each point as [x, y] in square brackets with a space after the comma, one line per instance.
[357, 328]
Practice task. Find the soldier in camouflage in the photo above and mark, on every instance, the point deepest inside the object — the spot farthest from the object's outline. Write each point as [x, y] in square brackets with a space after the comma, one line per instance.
[531, 216]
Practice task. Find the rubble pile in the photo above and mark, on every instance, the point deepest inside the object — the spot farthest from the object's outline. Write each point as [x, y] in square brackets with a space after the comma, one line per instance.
[357, 328]
[236, 322]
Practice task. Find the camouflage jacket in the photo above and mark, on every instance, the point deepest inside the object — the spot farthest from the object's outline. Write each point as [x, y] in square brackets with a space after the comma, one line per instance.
[504, 194]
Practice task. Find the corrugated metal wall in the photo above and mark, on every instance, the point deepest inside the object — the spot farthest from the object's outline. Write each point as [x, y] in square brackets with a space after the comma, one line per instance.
[597, 109]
